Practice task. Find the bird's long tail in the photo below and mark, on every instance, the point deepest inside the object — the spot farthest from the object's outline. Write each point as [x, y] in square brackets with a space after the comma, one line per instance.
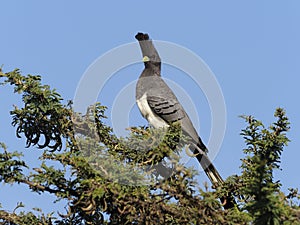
[213, 175]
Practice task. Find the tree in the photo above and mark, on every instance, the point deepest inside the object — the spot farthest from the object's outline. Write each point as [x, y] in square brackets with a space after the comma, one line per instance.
[99, 175]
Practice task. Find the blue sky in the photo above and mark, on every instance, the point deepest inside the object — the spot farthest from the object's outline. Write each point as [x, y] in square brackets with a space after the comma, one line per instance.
[252, 47]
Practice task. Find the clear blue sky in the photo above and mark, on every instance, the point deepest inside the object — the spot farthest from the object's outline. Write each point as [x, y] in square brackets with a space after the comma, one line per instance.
[252, 47]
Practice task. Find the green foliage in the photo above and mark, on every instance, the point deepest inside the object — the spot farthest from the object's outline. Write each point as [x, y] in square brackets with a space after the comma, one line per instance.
[10, 165]
[43, 117]
[264, 148]
[135, 180]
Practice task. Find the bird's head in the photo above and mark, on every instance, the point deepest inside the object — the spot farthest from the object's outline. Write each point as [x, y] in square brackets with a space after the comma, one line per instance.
[151, 58]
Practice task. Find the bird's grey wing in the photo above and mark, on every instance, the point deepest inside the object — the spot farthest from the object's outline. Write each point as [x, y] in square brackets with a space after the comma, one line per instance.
[169, 110]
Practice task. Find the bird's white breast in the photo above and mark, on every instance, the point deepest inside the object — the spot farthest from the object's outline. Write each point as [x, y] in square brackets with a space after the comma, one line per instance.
[147, 112]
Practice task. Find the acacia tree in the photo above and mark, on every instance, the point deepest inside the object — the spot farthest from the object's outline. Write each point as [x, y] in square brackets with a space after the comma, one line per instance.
[98, 175]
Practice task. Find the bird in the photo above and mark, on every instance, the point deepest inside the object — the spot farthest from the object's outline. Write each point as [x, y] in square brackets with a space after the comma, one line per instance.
[160, 107]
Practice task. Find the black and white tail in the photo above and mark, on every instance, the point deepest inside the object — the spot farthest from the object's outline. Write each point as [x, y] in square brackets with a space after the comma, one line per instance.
[213, 175]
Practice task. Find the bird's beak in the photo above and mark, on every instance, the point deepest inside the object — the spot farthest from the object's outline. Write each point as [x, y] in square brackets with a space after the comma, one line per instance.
[146, 59]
